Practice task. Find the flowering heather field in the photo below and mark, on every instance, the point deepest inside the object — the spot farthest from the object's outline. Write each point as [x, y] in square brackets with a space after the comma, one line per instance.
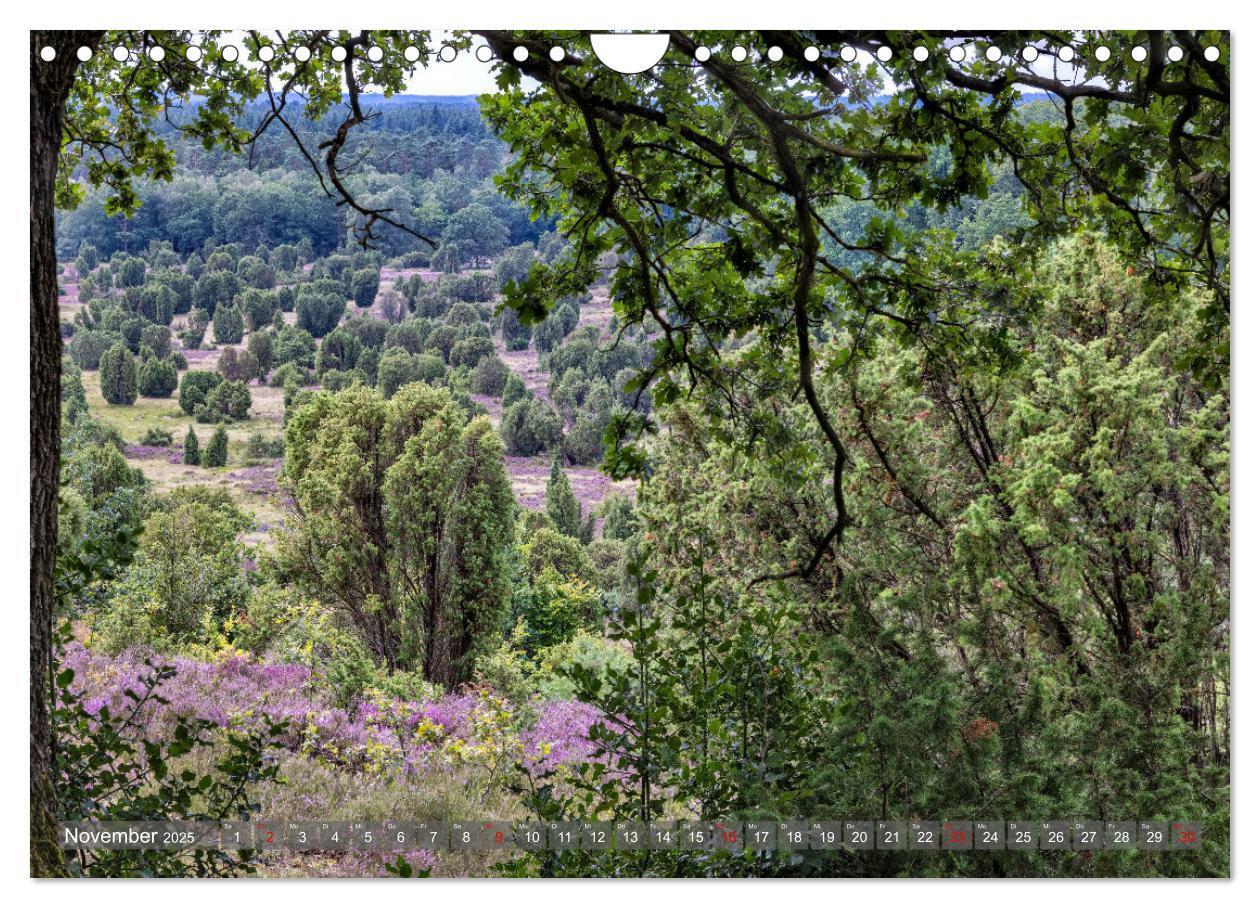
[259, 479]
[154, 452]
[238, 692]
[402, 758]
[529, 482]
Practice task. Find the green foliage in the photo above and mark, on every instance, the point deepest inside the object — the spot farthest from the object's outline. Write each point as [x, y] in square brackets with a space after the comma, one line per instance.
[161, 438]
[228, 400]
[293, 345]
[259, 447]
[620, 521]
[516, 334]
[490, 376]
[256, 273]
[476, 233]
[409, 474]
[73, 395]
[513, 390]
[531, 426]
[470, 351]
[194, 333]
[364, 285]
[194, 387]
[119, 383]
[397, 368]
[258, 308]
[320, 306]
[237, 365]
[88, 346]
[214, 289]
[185, 580]
[229, 324]
[158, 378]
[215, 454]
[562, 505]
[192, 448]
[261, 348]
[549, 549]
[339, 351]
[554, 608]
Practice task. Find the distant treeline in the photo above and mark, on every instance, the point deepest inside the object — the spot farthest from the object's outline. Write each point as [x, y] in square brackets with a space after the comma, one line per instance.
[438, 158]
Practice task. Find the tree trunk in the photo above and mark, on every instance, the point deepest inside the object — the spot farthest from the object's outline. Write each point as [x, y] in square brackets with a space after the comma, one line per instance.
[50, 86]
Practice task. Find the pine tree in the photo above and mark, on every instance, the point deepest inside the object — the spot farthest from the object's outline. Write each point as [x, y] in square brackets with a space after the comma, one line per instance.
[562, 504]
[192, 448]
[216, 451]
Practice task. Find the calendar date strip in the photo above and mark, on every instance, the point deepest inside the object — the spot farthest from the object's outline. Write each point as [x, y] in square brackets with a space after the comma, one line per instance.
[664, 835]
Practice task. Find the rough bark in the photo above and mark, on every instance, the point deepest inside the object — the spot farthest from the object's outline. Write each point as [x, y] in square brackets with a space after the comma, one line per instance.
[50, 87]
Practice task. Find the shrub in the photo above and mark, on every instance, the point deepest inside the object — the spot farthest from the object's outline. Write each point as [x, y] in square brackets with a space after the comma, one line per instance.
[260, 348]
[531, 426]
[132, 330]
[411, 335]
[194, 387]
[73, 395]
[259, 447]
[158, 438]
[562, 505]
[229, 325]
[513, 389]
[194, 333]
[89, 255]
[429, 369]
[555, 608]
[368, 362]
[620, 520]
[395, 472]
[516, 335]
[258, 307]
[158, 378]
[293, 345]
[130, 273]
[548, 548]
[158, 339]
[227, 400]
[609, 557]
[339, 381]
[256, 273]
[192, 448]
[88, 346]
[93, 743]
[584, 443]
[237, 365]
[216, 451]
[119, 381]
[291, 373]
[393, 306]
[469, 351]
[371, 332]
[490, 376]
[338, 351]
[364, 285]
[441, 339]
[214, 289]
[155, 302]
[582, 654]
[320, 307]
[181, 286]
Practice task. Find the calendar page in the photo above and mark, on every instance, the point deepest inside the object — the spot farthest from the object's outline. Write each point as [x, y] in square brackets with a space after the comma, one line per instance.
[707, 453]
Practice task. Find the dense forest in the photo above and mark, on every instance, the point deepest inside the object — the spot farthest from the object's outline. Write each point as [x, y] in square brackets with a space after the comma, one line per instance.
[566, 462]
